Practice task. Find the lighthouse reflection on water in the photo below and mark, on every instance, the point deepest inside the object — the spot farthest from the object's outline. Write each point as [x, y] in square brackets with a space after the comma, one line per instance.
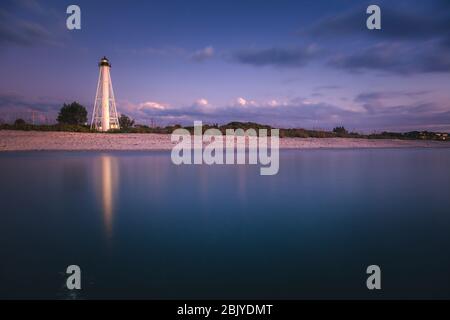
[107, 184]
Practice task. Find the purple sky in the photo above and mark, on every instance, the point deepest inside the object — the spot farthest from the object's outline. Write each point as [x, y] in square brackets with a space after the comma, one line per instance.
[310, 64]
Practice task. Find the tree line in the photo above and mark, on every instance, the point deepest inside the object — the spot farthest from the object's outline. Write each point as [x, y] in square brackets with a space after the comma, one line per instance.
[74, 117]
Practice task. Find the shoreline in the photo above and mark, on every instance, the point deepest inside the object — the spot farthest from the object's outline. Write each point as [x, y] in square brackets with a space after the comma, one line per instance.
[11, 140]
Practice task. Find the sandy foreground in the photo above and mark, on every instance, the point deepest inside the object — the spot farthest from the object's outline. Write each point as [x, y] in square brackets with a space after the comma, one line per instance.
[70, 141]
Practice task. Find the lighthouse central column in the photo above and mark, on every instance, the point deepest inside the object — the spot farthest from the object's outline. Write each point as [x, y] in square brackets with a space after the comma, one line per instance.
[105, 98]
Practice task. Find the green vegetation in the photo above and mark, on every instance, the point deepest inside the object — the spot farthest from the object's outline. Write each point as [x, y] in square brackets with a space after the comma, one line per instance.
[340, 131]
[19, 122]
[412, 135]
[73, 117]
[72, 114]
[138, 128]
[125, 122]
[45, 127]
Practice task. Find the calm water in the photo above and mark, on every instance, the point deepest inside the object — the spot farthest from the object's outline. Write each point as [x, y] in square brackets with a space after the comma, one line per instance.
[140, 227]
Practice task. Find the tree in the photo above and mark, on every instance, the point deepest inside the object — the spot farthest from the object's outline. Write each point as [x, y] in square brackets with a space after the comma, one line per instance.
[125, 122]
[19, 122]
[340, 131]
[73, 113]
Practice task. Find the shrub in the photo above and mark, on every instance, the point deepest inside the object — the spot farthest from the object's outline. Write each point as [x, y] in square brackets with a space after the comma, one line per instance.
[74, 114]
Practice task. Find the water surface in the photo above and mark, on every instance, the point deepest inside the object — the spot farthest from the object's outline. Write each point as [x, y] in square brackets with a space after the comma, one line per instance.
[141, 227]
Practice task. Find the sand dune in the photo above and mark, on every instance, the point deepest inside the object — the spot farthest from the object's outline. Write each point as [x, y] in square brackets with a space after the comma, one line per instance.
[33, 141]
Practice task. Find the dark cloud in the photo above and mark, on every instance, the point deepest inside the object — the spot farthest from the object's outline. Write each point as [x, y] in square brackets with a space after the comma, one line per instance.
[26, 23]
[21, 32]
[348, 22]
[378, 95]
[402, 21]
[415, 38]
[374, 102]
[39, 110]
[33, 6]
[395, 58]
[14, 101]
[384, 112]
[417, 111]
[408, 117]
[280, 57]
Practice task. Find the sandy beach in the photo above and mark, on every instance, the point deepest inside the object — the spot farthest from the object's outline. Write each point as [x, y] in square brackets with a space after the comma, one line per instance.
[74, 141]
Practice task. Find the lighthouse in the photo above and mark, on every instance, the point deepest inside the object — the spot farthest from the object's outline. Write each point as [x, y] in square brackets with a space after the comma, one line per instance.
[104, 115]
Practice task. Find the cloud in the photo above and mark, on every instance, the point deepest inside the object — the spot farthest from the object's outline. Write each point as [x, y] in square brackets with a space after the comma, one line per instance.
[293, 113]
[296, 112]
[202, 102]
[11, 101]
[414, 116]
[280, 57]
[21, 32]
[169, 52]
[378, 95]
[279, 103]
[31, 5]
[242, 102]
[395, 58]
[38, 109]
[152, 110]
[417, 20]
[246, 103]
[395, 110]
[380, 110]
[203, 54]
[33, 30]
[415, 38]
[348, 22]
[150, 105]
[402, 110]
[141, 110]
[378, 102]
[164, 51]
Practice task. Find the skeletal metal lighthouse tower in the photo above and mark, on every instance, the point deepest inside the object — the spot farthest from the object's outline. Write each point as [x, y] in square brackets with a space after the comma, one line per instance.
[104, 116]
